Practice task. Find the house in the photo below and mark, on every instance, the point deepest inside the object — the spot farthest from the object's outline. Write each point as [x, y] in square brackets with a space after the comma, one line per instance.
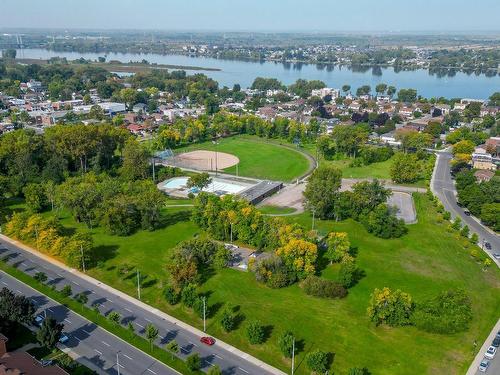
[139, 107]
[482, 160]
[484, 175]
[390, 139]
[324, 92]
[21, 363]
[492, 145]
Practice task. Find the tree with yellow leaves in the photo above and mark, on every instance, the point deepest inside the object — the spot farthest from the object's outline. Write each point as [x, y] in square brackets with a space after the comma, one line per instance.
[300, 256]
[337, 246]
[389, 307]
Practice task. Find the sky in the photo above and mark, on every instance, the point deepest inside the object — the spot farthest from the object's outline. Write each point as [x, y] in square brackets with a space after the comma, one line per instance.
[255, 15]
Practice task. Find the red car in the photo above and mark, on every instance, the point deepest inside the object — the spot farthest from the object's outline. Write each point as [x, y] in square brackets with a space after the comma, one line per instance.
[207, 340]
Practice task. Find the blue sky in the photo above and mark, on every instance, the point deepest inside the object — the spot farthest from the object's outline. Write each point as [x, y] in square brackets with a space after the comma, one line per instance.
[255, 15]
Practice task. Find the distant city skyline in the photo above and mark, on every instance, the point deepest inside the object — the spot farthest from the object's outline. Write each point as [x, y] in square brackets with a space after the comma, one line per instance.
[257, 16]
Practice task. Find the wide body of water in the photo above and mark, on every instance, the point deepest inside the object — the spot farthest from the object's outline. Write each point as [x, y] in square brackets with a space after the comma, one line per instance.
[460, 85]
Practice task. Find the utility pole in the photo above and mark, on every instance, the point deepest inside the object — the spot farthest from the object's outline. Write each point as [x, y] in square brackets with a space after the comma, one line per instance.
[204, 314]
[117, 363]
[293, 355]
[83, 258]
[138, 284]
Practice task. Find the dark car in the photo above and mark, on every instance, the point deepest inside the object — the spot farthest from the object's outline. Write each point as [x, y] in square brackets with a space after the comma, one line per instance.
[487, 245]
[496, 341]
[207, 340]
[467, 213]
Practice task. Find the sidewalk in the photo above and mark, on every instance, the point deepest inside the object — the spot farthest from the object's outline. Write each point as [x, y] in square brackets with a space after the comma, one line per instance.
[480, 355]
[160, 314]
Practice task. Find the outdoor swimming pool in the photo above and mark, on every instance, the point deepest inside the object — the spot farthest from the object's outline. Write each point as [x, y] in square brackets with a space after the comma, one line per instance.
[217, 186]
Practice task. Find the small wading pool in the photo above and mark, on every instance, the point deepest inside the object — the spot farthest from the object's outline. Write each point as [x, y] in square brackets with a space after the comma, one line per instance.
[218, 186]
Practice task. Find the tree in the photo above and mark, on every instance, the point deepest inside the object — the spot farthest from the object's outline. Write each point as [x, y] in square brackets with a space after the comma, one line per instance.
[338, 246]
[346, 89]
[490, 215]
[349, 139]
[9, 53]
[136, 160]
[285, 343]
[189, 295]
[14, 308]
[383, 223]
[463, 147]
[300, 256]
[49, 333]
[114, 317]
[151, 333]
[172, 347]
[193, 362]
[128, 96]
[81, 298]
[255, 332]
[407, 95]
[389, 307]
[66, 291]
[228, 319]
[35, 197]
[381, 88]
[171, 295]
[317, 361]
[391, 90]
[199, 180]
[41, 277]
[465, 231]
[405, 168]
[321, 190]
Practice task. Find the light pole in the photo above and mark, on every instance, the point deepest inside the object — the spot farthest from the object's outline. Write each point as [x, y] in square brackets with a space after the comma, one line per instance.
[117, 363]
[216, 158]
[293, 356]
[83, 258]
[204, 314]
[138, 284]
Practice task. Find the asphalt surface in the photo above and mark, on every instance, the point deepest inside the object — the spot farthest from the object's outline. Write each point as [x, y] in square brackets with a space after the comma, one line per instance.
[95, 347]
[444, 188]
[189, 342]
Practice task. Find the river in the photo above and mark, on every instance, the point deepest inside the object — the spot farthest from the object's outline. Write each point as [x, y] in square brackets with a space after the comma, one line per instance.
[458, 85]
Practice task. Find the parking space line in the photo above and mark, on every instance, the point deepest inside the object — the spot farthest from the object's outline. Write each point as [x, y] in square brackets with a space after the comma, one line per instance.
[151, 371]
[242, 369]
[140, 325]
[105, 343]
[100, 353]
[67, 320]
[126, 356]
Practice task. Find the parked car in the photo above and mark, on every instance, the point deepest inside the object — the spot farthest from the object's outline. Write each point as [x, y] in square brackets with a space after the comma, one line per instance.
[467, 212]
[487, 245]
[207, 340]
[39, 320]
[496, 341]
[46, 362]
[64, 338]
[496, 256]
[483, 366]
[490, 353]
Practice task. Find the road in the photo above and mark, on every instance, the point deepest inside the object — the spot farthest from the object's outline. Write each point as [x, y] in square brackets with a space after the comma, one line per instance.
[227, 358]
[494, 367]
[95, 347]
[444, 187]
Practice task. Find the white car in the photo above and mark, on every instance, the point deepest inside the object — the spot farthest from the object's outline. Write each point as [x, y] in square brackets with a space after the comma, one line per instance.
[39, 320]
[64, 338]
[490, 353]
[483, 366]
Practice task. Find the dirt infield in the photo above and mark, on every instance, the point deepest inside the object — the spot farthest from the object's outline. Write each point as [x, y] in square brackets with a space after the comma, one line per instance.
[207, 160]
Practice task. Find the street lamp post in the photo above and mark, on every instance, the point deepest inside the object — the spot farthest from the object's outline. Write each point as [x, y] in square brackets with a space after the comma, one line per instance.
[293, 356]
[83, 258]
[138, 284]
[204, 314]
[314, 212]
[117, 363]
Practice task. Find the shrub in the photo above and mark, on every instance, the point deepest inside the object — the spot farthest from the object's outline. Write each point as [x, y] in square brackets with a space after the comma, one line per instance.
[274, 273]
[446, 215]
[40, 277]
[171, 295]
[449, 312]
[392, 308]
[255, 332]
[465, 231]
[285, 343]
[319, 287]
[114, 317]
[66, 291]
[228, 319]
[383, 223]
[193, 362]
[317, 361]
[189, 295]
[214, 370]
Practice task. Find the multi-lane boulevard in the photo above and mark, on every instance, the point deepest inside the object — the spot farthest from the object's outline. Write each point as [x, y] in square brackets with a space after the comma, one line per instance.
[93, 346]
[229, 359]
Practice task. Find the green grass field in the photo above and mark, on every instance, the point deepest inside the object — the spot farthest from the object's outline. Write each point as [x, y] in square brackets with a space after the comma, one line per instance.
[275, 210]
[424, 262]
[376, 170]
[258, 158]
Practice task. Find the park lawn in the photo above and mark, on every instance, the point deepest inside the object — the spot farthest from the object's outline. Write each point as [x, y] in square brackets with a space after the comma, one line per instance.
[258, 158]
[424, 262]
[276, 210]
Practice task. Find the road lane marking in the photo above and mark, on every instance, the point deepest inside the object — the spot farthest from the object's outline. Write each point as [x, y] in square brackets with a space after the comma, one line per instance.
[109, 300]
[151, 371]
[67, 320]
[192, 343]
[49, 309]
[100, 353]
[184, 350]
[24, 264]
[128, 310]
[105, 343]
[242, 369]
[4, 283]
[140, 325]
[148, 320]
[126, 356]
[17, 290]
[218, 356]
[87, 332]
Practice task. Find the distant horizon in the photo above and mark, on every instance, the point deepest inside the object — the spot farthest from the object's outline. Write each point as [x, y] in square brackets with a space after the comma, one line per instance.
[401, 16]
